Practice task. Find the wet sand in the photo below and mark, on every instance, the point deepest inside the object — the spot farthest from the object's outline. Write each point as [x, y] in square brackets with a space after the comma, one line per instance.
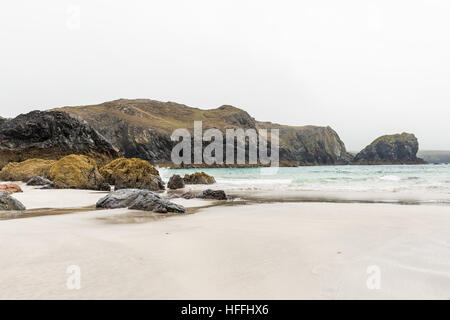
[255, 251]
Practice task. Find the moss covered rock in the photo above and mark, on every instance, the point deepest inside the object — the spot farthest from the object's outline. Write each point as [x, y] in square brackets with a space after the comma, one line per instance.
[77, 172]
[198, 178]
[24, 171]
[132, 173]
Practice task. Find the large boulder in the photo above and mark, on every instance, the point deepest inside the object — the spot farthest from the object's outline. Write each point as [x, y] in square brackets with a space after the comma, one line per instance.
[391, 149]
[51, 135]
[139, 200]
[9, 203]
[39, 181]
[198, 178]
[175, 182]
[132, 173]
[77, 172]
[10, 188]
[25, 170]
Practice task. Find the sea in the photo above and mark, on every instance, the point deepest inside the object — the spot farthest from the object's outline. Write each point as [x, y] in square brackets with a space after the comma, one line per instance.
[385, 178]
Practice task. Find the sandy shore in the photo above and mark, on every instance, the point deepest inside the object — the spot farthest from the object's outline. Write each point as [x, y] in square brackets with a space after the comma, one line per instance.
[258, 251]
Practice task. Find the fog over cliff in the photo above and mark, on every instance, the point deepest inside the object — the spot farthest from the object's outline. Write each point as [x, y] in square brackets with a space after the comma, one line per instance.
[366, 68]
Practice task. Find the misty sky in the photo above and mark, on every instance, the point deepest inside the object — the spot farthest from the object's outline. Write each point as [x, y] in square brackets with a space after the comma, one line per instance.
[365, 68]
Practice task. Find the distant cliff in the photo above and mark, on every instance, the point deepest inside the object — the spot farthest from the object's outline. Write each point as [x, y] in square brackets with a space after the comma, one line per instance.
[142, 128]
[391, 149]
[50, 135]
[435, 156]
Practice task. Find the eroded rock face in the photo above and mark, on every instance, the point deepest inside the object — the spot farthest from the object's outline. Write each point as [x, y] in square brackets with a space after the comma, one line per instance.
[77, 172]
[24, 171]
[199, 178]
[9, 203]
[391, 149]
[10, 188]
[175, 182]
[132, 173]
[139, 200]
[39, 181]
[51, 135]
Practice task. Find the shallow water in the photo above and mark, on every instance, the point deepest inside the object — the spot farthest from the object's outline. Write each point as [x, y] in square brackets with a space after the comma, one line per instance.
[390, 178]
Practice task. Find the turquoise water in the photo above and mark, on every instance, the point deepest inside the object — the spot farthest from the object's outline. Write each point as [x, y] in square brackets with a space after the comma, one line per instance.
[430, 178]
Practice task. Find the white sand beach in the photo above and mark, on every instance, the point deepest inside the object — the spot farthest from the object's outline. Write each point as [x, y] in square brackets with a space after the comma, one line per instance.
[255, 251]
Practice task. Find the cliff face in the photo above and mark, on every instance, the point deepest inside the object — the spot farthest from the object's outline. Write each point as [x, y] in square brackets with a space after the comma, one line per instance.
[391, 149]
[310, 145]
[51, 135]
[141, 128]
[435, 156]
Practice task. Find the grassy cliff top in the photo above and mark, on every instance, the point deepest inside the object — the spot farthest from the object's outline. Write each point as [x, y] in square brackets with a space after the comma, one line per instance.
[403, 137]
[165, 116]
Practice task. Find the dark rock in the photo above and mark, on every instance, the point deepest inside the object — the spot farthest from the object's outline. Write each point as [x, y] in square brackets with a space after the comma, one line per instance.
[175, 182]
[139, 200]
[188, 195]
[212, 194]
[104, 187]
[391, 149]
[51, 135]
[199, 178]
[9, 203]
[39, 181]
[206, 194]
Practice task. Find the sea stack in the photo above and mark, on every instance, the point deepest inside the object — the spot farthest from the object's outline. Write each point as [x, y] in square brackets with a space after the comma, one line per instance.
[391, 149]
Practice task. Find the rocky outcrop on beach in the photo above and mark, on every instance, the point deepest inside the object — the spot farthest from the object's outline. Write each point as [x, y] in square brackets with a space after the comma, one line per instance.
[9, 203]
[132, 173]
[77, 172]
[10, 188]
[176, 182]
[39, 181]
[24, 171]
[141, 128]
[212, 194]
[51, 135]
[138, 199]
[391, 149]
[206, 194]
[198, 178]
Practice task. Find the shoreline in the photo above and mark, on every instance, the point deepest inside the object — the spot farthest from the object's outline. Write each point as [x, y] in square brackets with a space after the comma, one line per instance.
[42, 202]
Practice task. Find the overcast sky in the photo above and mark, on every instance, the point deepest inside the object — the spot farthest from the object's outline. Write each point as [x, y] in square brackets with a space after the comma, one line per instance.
[365, 68]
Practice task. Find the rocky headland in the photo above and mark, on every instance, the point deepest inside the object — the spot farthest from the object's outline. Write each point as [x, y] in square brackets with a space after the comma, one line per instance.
[141, 128]
[391, 149]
